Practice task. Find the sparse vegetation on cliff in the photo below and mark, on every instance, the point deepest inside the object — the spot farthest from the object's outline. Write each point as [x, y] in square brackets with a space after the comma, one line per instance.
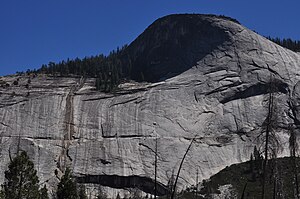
[21, 180]
[288, 43]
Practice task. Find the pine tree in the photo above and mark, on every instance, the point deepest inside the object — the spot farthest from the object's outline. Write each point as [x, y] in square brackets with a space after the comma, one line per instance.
[101, 194]
[98, 83]
[293, 145]
[44, 193]
[1, 194]
[21, 181]
[256, 154]
[82, 194]
[67, 187]
[271, 142]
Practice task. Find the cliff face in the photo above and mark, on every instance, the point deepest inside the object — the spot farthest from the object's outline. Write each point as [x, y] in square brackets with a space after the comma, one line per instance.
[109, 139]
[172, 45]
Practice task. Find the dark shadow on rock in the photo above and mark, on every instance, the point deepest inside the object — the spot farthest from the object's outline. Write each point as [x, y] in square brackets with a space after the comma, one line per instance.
[172, 45]
[124, 182]
[257, 89]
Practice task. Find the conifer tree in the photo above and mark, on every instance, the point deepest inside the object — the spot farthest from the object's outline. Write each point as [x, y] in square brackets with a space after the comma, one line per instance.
[44, 193]
[98, 83]
[101, 194]
[1, 194]
[82, 194]
[67, 187]
[293, 145]
[21, 181]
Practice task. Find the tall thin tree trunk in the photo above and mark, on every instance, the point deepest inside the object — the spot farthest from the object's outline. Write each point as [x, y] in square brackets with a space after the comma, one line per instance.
[295, 172]
[197, 174]
[268, 129]
[274, 189]
[155, 170]
[244, 190]
[293, 147]
[267, 133]
[179, 169]
[296, 179]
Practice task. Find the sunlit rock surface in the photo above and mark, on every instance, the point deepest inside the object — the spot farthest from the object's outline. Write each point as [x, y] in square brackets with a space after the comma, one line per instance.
[110, 139]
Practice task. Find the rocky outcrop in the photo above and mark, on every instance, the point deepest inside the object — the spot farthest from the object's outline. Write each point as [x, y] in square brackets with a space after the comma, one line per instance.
[219, 97]
[172, 45]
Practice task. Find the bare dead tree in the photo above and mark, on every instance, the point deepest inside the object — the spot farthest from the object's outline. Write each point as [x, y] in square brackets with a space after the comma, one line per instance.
[155, 170]
[9, 155]
[293, 146]
[180, 166]
[197, 182]
[244, 190]
[267, 127]
[170, 184]
[271, 142]
[18, 145]
[155, 151]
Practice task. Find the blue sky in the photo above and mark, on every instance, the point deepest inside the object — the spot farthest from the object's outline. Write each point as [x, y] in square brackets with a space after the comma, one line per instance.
[35, 32]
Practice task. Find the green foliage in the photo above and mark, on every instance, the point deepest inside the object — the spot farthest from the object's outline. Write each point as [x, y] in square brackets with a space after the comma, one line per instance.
[225, 17]
[238, 175]
[98, 84]
[101, 194]
[82, 194]
[256, 154]
[44, 193]
[67, 187]
[21, 181]
[108, 70]
[1, 194]
[287, 43]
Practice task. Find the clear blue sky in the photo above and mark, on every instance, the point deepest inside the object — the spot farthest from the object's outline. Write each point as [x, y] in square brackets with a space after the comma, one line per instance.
[34, 32]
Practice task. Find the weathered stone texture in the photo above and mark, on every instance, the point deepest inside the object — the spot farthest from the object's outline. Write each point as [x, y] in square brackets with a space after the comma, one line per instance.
[221, 100]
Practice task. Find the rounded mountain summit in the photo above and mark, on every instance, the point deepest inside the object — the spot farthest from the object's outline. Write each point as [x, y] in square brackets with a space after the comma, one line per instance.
[174, 43]
[208, 78]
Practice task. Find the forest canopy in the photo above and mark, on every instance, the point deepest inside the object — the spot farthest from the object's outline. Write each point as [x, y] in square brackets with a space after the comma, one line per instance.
[116, 67]
[288, 43]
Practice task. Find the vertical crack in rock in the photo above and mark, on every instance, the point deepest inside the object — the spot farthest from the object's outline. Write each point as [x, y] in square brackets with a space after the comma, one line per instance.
[64, 158]
[219, 99]
[195, 96]
[68, 131]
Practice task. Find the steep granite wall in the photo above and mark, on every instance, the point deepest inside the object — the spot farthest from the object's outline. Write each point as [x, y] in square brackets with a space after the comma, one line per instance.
[110, 138]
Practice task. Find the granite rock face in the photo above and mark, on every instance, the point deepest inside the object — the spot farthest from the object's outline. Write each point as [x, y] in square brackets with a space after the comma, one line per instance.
[110, 139]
